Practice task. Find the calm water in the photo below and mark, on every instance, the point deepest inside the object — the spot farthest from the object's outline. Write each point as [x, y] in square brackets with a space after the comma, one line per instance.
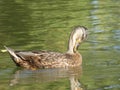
[46, 25]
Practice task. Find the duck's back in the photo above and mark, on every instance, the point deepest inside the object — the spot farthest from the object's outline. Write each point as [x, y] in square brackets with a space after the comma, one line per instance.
[39, 59]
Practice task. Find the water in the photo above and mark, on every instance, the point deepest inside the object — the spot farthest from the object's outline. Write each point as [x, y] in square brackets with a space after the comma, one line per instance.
[46, 25]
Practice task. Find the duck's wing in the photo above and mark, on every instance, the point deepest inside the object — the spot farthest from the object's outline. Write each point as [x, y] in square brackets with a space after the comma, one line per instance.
[35, 59]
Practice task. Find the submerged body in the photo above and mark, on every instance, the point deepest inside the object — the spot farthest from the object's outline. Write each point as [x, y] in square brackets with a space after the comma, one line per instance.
[44, 59]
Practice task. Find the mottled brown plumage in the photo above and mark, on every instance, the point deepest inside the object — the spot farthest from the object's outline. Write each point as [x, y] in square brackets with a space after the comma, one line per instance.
[45, 59]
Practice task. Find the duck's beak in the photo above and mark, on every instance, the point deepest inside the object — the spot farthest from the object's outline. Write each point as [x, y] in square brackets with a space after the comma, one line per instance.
[77, 44]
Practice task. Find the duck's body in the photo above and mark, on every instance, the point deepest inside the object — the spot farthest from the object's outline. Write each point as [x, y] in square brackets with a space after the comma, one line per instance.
[45, 59]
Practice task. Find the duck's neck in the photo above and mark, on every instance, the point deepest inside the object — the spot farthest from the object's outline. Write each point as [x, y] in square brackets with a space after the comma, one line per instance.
[71, 46]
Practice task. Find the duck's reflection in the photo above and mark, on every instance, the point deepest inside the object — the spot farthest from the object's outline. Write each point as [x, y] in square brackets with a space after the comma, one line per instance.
[47, 75]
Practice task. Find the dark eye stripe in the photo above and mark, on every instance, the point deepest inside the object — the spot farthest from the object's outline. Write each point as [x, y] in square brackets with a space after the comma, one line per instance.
[84, 35]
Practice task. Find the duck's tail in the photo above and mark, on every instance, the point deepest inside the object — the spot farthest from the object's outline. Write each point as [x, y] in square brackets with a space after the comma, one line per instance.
[11, 52]
[13, 55]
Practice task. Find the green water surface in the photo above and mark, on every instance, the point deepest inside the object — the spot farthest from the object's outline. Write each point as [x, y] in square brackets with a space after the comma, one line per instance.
[46, 25]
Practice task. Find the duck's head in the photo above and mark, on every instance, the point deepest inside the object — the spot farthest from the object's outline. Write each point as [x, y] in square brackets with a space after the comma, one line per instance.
[77, 36]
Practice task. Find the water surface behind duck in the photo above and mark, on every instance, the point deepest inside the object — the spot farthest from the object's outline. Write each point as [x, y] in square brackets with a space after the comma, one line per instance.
[46, 25]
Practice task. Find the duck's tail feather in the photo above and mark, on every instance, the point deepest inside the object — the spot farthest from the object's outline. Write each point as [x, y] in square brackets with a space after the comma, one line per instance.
[13, 55]
[11, 52]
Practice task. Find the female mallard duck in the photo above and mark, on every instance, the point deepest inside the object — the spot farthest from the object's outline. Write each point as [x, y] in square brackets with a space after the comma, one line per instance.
[44, 59]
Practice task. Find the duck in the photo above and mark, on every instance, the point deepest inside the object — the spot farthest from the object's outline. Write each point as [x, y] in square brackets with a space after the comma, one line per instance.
[46, 59]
